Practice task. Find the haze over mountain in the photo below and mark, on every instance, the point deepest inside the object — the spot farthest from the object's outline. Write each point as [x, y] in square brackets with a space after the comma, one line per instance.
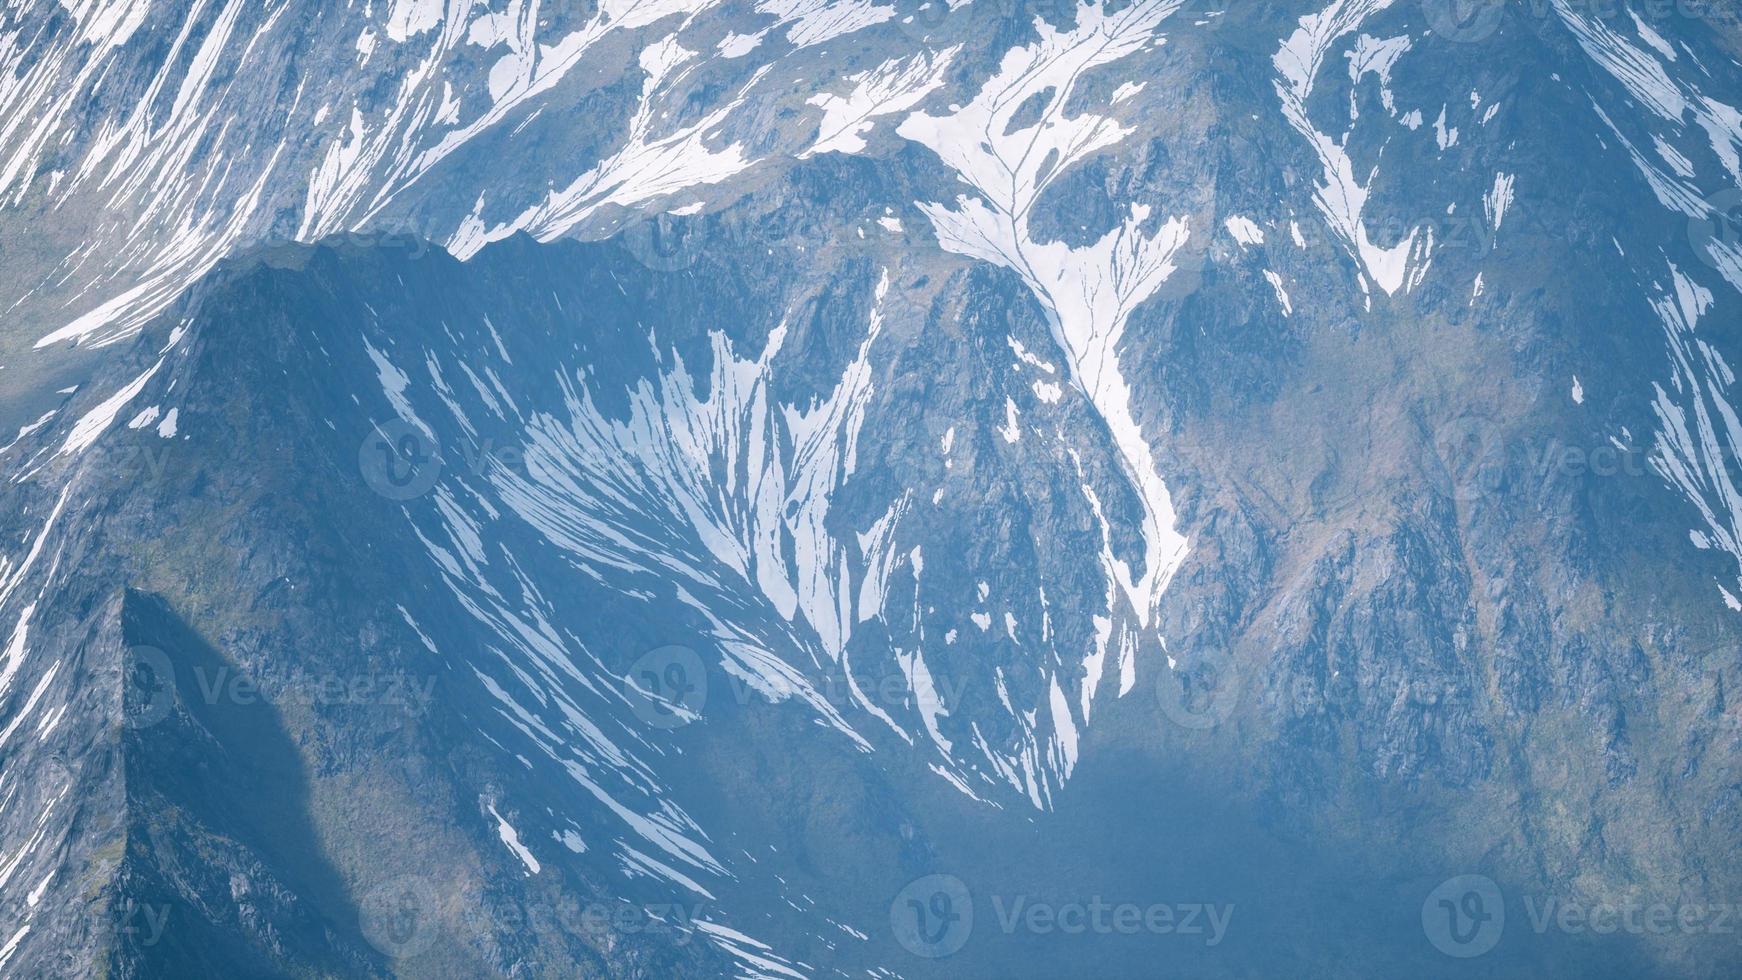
[688, 488]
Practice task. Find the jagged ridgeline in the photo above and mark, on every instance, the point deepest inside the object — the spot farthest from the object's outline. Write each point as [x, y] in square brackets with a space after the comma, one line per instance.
[677, 489]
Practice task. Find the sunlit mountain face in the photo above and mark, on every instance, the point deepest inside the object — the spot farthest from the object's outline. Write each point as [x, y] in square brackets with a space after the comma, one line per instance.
[836, 488]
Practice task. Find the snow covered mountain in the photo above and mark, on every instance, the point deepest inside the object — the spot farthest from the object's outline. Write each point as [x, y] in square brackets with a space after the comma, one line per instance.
[777, 489]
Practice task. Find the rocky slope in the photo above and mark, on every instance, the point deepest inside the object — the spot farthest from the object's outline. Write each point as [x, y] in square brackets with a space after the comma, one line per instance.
[1210, 460]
